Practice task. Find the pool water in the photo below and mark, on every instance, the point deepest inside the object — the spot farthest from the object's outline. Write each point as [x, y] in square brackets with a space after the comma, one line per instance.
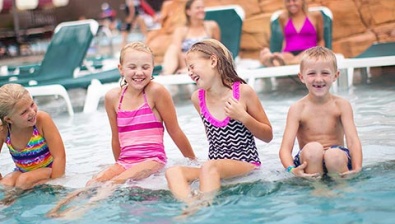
[268, 195]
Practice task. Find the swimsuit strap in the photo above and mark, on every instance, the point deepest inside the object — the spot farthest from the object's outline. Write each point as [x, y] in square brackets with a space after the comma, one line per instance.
[30, 143]
[145, 96]
[206, 113]
[236, 90]
[123, 93]
[121, 99]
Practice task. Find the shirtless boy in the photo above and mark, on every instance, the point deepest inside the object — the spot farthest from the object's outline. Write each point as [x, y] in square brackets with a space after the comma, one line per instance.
[322, 123]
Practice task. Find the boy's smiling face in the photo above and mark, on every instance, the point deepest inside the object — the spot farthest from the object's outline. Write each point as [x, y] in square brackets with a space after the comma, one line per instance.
[318, 76]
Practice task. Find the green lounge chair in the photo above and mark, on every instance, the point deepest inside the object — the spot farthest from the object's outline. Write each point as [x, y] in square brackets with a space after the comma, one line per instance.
[63, 58]
[377, 55]
[60, 68]
[230, 20]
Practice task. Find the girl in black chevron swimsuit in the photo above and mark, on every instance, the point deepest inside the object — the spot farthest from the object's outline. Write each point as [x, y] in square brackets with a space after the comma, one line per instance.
[232, 115]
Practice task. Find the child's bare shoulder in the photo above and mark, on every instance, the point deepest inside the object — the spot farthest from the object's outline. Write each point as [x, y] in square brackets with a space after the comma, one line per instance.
[246, 89]
[155, 88]
[112, 93]
[340, 101]
[42, 115]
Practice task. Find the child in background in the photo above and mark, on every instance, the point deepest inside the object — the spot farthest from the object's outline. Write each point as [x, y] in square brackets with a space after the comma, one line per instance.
[232, 115]
[33, 140]
[137, 111]
[321, 122]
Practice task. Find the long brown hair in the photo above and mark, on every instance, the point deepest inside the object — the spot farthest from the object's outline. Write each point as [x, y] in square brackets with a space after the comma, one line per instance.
[225, 66]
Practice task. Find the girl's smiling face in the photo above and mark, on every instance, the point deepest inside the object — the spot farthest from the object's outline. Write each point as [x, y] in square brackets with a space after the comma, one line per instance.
[200, 69]
[136, 68]
[24, 113]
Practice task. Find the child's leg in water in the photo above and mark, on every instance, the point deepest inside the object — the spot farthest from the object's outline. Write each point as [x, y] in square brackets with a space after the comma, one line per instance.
[55, 211]
[198, 200]
[101, 192]
[11, 194]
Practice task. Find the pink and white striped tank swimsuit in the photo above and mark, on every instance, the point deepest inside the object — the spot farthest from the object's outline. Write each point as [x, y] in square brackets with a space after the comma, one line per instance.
[140, 135]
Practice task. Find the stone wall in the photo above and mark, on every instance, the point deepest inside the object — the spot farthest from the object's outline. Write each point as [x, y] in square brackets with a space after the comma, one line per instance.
[356, 24]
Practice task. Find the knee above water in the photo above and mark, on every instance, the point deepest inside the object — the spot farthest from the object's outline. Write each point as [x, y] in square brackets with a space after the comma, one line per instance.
[313, 151]
[173, 171]
[209, 167]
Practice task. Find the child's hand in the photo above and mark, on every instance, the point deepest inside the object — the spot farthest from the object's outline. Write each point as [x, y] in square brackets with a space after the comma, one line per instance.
[194, 162]
[349, 174]
[299, 171]
[234, 109]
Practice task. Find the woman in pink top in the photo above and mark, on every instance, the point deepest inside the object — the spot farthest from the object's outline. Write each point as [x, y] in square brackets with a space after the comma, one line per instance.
[138, 111]
[301, 29]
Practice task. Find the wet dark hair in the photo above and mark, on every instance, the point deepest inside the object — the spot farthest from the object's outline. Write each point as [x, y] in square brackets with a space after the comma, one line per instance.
[225, 66]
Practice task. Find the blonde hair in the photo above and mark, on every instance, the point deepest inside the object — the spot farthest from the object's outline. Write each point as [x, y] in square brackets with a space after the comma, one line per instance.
[138, 46]
[10, 94]
[225, 65]
[318, 53]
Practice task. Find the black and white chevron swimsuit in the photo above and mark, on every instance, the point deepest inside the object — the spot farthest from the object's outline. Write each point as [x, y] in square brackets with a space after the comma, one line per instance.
[228, 139]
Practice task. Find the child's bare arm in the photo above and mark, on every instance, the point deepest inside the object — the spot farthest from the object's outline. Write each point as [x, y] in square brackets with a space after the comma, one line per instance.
[165, 106]
[109, 103]
[253, 115]
[288, 141]
[54, 142]
[352, 139]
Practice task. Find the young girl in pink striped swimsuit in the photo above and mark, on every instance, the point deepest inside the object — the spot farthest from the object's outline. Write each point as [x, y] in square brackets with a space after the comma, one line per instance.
[137, 111]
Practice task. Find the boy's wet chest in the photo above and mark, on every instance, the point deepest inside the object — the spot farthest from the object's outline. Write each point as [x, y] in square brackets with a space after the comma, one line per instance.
[322, 119]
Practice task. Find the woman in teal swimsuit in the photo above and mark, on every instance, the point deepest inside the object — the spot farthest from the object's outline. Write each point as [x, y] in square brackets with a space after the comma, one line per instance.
[184, 37]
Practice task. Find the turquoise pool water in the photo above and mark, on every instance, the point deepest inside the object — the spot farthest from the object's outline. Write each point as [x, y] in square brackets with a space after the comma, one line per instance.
[269, 195]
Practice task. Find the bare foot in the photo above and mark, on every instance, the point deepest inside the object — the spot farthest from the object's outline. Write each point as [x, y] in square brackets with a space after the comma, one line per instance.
[197, 200]
[55, 212]
[277, 60]
[264, 57]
